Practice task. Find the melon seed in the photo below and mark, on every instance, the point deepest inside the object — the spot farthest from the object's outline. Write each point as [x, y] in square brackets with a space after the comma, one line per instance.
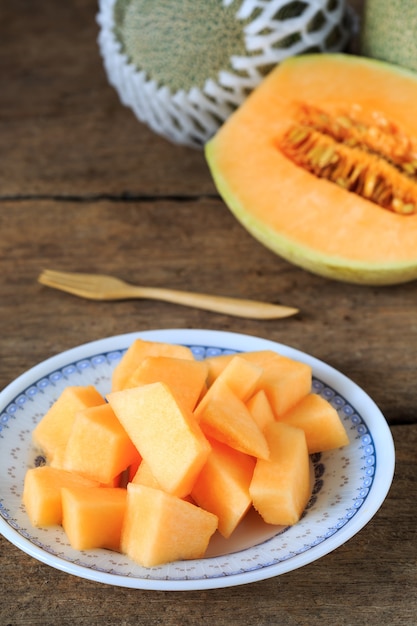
[375, 160]
[401, 207]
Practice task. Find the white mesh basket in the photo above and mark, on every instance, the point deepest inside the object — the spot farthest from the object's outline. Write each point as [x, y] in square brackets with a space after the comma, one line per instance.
[192, 117]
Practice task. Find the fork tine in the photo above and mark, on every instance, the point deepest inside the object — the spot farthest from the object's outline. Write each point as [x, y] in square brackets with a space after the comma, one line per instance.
[68, 278]
[92, 286]
[71, 282]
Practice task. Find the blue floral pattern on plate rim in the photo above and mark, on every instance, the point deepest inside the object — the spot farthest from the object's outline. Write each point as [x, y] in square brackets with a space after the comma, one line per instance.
[344, 480]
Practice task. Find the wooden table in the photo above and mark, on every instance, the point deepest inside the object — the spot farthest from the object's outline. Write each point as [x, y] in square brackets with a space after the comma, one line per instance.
[84, 186]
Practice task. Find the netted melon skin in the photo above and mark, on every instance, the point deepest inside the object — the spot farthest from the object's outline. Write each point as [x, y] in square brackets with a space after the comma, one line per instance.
[191, 117]
[389, 32]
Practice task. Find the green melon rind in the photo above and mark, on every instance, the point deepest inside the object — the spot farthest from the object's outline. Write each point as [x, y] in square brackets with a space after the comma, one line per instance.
[389, 31]
[333, 267]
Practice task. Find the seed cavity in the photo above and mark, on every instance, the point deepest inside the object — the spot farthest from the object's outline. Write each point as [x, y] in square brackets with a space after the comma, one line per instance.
[369, 157]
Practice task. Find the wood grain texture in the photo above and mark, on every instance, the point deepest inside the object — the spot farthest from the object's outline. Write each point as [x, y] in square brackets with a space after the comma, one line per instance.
[85, 187]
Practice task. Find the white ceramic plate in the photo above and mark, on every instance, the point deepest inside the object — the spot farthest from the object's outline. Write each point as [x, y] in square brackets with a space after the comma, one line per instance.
[350, 484]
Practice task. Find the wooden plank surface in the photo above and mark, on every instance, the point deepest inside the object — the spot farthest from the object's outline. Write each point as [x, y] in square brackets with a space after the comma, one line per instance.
[85, 186]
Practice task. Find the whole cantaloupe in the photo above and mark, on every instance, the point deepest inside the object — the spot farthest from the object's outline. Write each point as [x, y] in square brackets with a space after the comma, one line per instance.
[183, 66]
[389, 31]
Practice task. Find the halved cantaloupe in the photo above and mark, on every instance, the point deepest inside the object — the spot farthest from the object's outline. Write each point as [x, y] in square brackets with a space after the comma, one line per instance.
[281, 486]
[93, 517]
[52, 432]
[186, 378]
[98, 446]
[165, 433]
[222, 486]
[320, 422]
[226, 418]
[42, 493]
[319, 165]
[139, 350]
[160, 527]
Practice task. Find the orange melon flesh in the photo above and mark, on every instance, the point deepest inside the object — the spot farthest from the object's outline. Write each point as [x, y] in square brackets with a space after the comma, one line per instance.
[145, 477]
[42, 493]
[98, 446]
[280, 487]
[217, 364]
[52, 432]
[320, 422]
[160, 528]
[226, 418]
[166, 434]
[222, 486]
[93, 517]
[139, 350]
[260, 409]
[328, 230]
[185, 378]
[239, 375]
[285, 382]
[133, 467]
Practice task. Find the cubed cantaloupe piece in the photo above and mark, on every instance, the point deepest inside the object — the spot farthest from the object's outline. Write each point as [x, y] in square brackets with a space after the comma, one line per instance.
[239, 375]
[42, 493]
[226, 418]
[217, 364]
[52, 432]
[139, 350]
[165, 433]
[320, 421]
[185, 377]
[93, 517]
[98, 445]
[285, 382]
[281, 486]
[260, 409]
[222, 486]
[144, 476]
[160, 528]
[133, 467]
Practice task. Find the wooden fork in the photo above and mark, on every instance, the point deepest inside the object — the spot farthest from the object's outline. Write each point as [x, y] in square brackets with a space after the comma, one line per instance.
[102, 287]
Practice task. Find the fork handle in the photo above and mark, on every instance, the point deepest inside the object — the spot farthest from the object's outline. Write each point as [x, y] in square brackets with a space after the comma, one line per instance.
[219, 304]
